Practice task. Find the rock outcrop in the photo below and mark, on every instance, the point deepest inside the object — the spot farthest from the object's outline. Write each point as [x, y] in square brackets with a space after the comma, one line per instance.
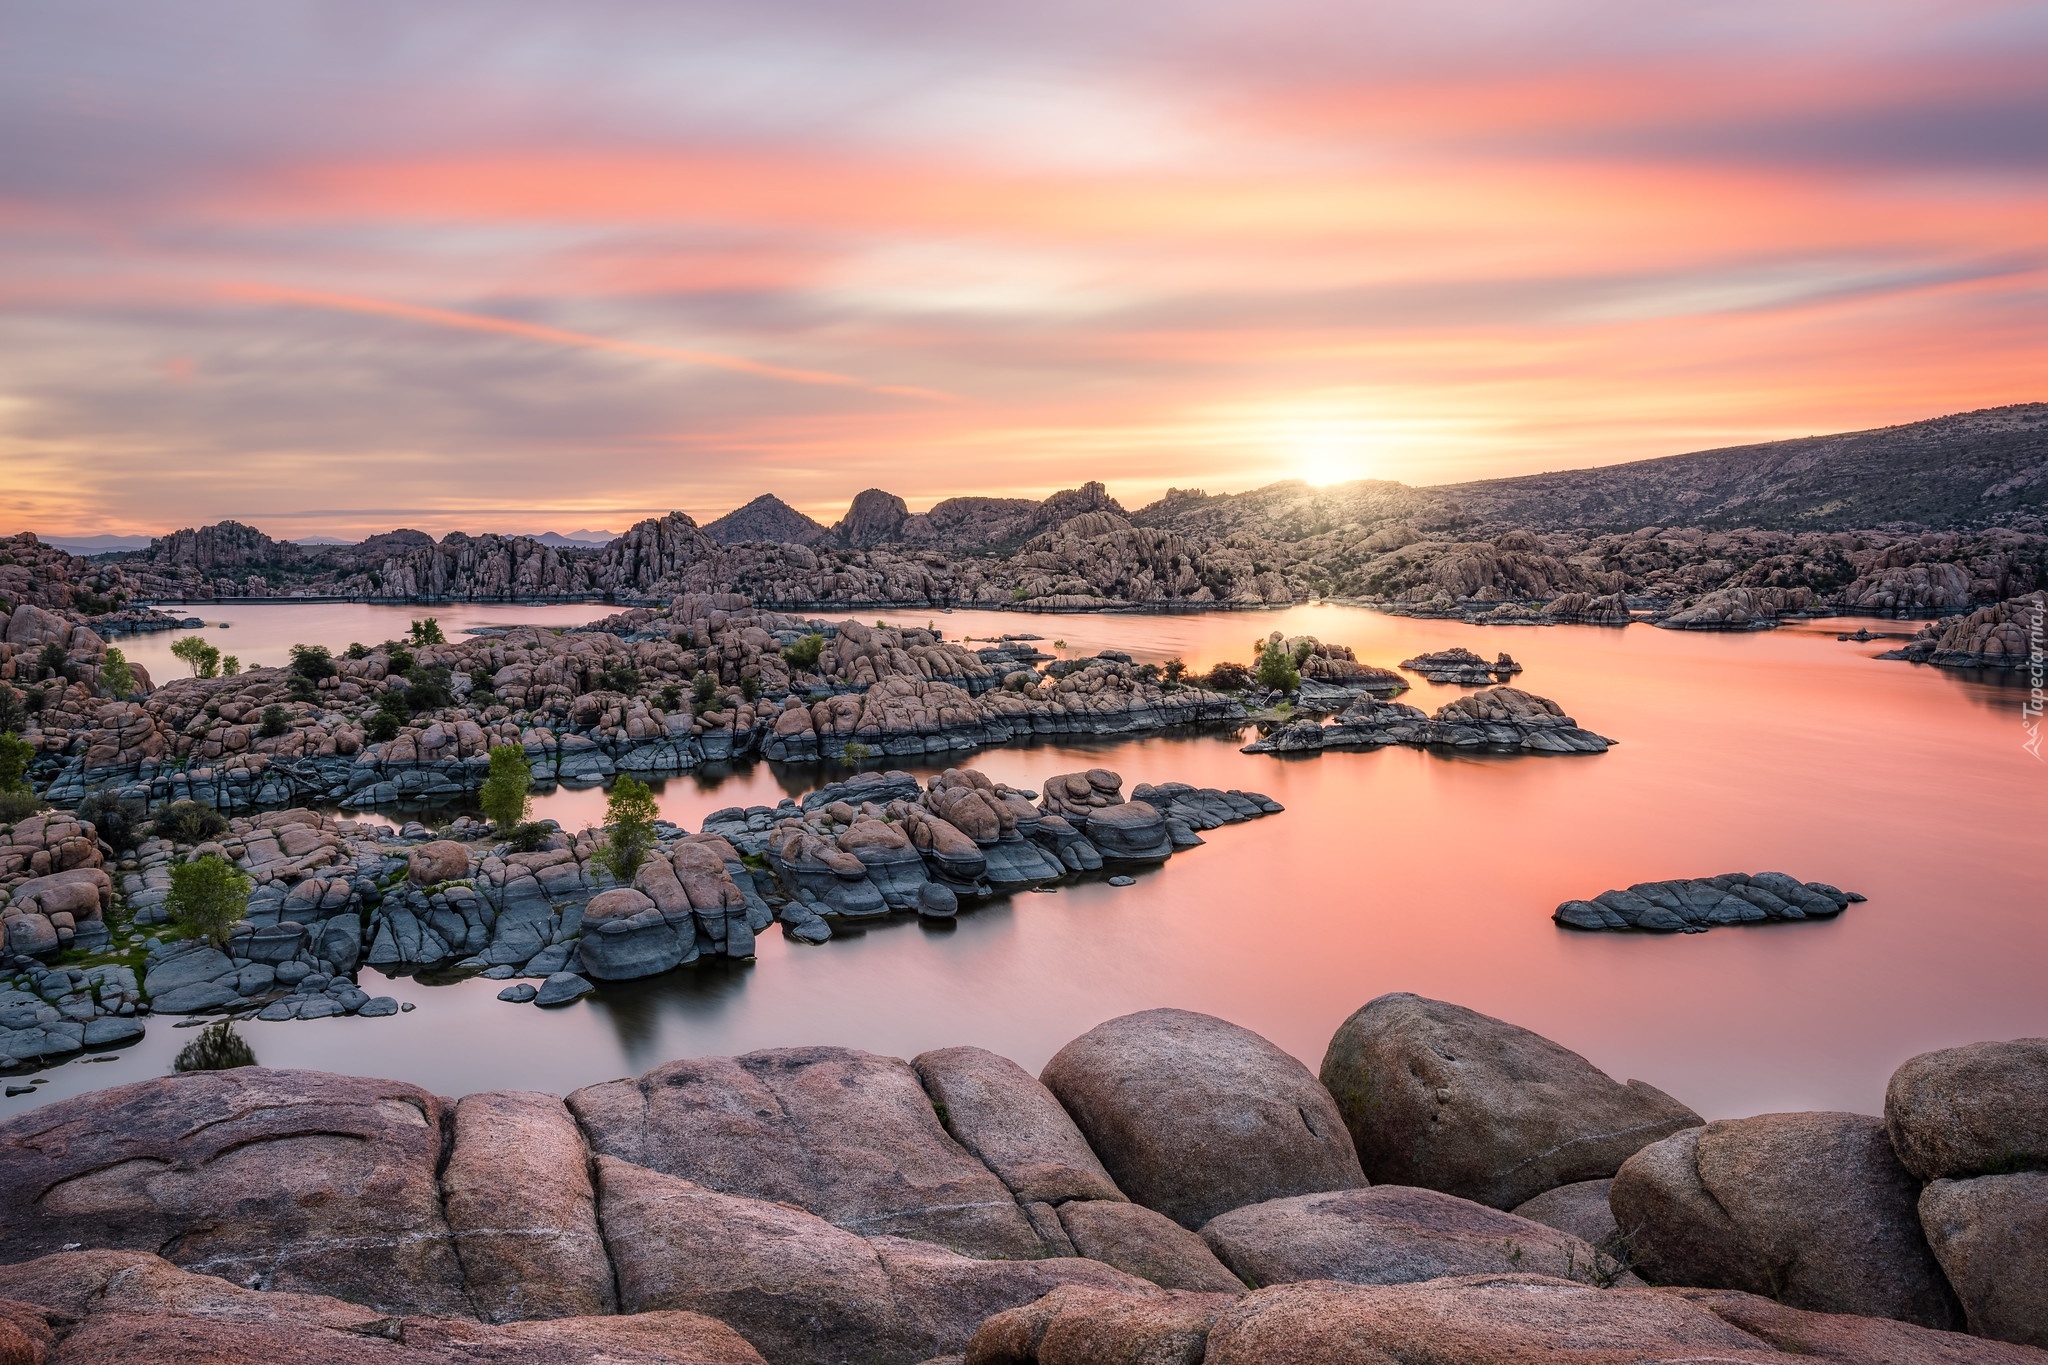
[1462, 666]
[1499, 719]
[1449, 1099]
[1696, 904]
[2007, 634]
[1194, 1116]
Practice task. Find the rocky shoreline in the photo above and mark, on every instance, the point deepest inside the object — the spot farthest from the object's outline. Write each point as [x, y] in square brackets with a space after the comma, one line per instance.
[332, 895]
[1171, 1187]
[1694, 905]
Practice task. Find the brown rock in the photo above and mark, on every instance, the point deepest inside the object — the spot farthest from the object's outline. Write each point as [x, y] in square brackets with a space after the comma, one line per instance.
[443, 860]
[1149, 1245]
[1851, 1340]
[290, 1180]
[942, 1297]
[999, 1111]
[1192, 1115]
[1073, 1326]
[1811, 1209]
[1391, 1234]
[850, 1136]
[522, 1210]
[1990, 1234]
[135, 1307]
[1447, 1098]
[1975, 1110]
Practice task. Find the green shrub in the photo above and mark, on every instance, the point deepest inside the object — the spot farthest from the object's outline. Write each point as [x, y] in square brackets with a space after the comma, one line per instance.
[1277, 670]
[300, 688]
[13, 714]
[703, 687]
[427, 632]
[17, 806]
[313, 662]
[116, 821]
[52, 662]
[630, 812]
[528, 838]
[856, 752]
[231, 666]
[1227, 678]
[804, 653]
[428, 690]
[671, 697]
[276, 720]
[507, 791]
[619, 678]
[209, 896]
[217, 1048]
[115, 674]
[188, 822]
[750, 687]
[383, 727]
[399, 660]
[356, 650]
[16, 754]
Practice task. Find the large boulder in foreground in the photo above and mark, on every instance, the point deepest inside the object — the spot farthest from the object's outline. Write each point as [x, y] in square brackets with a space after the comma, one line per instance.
[1075, 1326]
[1194, 1116]
[522, 1210]
[849, 1136]
[999, 1111]
[1811, 1209]
[1990, 1234]
[802, 1290]
[288, 1180]
[123, 1307]
[1975, 1110]
[1533, 1320]
[1449, 1099]
[1145, 1243]
[1393, 1234]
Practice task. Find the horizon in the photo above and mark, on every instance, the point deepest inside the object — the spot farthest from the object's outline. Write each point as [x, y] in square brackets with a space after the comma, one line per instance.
[336, 270]
[828, 517]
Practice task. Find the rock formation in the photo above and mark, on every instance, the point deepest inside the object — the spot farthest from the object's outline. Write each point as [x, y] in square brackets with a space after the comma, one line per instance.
[1694, 905]
[1504, 719]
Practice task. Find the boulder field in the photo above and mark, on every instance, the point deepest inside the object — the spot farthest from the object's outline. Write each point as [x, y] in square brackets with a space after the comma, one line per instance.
[1172, 1188]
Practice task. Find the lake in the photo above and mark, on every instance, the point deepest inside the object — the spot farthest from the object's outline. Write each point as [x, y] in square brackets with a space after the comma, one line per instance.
[1392, 870]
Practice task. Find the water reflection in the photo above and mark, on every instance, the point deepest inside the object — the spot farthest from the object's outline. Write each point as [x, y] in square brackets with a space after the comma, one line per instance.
[1398, 870]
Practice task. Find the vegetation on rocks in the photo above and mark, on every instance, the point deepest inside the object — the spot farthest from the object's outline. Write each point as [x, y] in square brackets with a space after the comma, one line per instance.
[630, 813]
[506, 796]
[209, 896]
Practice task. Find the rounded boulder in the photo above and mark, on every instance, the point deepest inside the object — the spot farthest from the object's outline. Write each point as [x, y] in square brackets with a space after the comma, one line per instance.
[443, 860]
[1194, 1116]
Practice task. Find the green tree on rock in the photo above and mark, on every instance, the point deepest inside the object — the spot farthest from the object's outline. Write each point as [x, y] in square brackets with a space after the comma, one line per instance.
[115, 674]
[1277, 670]
[209, 896]
[506, 796]
[630, 813]
[427, 632]
[203, 658]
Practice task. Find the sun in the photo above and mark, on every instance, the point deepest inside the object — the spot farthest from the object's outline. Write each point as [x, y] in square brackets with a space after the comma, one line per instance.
[1325, 458]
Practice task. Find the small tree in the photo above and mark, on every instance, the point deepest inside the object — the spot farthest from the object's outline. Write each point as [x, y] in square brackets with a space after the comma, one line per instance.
[312, 662]
[209, 896]
[13, 715]
[506, 796]
[703, 687]
[1277, 671]
[188, 822]
[16, 754]
[804, 653]
[53, 662]
[276, 720]
[202, 657]
[217, 1048]
[427, 632]
[231, 666]
[115, 674]
[630, 812]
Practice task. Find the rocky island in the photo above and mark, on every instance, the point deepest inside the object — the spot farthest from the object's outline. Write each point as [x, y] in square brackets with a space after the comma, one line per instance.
[1694, 905]
[1499, 719]
[1170, 1187]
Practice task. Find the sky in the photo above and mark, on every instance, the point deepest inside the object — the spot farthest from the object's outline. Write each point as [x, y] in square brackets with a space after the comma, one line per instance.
[330, 268]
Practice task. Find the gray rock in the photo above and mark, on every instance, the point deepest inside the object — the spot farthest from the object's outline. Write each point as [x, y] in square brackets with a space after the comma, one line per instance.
[1813, 1210]
[1449, 1099]
[1193, 1116]
[1390, 1234]
[203, 995]
[519, 994]
[561, 989]
[378, 1007]
[1990, 1234]
[1975, 1110]
[1582, 1210]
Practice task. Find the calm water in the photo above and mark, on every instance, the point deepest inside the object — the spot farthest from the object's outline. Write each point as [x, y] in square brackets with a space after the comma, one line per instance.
[1392, 870]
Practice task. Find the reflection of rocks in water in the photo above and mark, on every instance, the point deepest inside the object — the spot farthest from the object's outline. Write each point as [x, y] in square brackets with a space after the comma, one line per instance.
[1695, 905]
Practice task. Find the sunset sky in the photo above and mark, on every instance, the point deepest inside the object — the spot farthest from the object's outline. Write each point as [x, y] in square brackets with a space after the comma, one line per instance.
[333, 268]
